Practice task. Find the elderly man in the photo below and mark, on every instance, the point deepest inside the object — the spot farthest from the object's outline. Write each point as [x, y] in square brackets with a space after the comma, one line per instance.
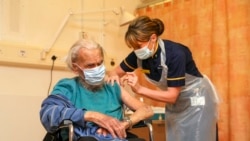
[95, 107]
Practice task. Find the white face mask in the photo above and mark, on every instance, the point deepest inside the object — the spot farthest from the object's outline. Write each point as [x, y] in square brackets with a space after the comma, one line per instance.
[144, 52]
[94, 76]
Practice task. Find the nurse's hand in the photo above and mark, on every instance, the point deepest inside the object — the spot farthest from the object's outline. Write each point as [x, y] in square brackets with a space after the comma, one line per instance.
[132, 80]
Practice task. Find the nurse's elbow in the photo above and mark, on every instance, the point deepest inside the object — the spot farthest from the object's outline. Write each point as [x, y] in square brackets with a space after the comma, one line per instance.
[172, 100]
[173, 95]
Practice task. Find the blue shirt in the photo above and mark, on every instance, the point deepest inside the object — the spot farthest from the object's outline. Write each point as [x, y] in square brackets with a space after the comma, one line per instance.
[179, 61]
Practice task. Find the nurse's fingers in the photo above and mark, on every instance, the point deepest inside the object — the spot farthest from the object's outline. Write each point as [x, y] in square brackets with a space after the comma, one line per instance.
[132, 77]
[131, 74]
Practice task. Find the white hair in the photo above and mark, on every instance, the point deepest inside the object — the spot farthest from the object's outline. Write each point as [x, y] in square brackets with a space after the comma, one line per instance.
[74, 50]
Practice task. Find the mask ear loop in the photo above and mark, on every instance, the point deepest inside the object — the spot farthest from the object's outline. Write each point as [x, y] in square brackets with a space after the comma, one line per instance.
[80, 74]
[154, 44]
[77, 66]
[150, 41]
[155, 47]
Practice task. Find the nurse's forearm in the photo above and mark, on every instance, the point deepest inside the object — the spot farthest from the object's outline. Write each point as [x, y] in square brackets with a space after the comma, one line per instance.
[168, 96]
[117, 71]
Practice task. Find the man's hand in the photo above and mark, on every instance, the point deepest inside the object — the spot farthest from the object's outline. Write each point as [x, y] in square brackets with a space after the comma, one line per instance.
[102, 131]
[113, 126]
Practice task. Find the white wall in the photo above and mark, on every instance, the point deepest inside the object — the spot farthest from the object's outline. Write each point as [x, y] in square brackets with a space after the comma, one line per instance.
[33, 26]
[21, 93]
[22, 89]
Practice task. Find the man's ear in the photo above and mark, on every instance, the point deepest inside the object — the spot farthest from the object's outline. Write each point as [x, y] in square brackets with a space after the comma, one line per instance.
[75, 69]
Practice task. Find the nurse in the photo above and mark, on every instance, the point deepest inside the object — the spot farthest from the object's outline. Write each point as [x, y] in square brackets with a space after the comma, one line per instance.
[191, 101]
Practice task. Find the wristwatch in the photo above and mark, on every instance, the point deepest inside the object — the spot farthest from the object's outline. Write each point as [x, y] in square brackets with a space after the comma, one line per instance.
[127, 119]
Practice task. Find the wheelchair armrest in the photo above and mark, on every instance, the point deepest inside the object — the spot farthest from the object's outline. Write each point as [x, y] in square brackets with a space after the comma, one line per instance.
[146, 123]
[142, 123]
[68, 124]
[56, 134]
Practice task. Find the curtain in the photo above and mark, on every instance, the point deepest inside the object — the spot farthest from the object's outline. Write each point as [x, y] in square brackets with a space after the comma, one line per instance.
[218, 34]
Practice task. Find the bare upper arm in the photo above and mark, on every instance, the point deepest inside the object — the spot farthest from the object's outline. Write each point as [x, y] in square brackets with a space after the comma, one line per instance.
[130, 101]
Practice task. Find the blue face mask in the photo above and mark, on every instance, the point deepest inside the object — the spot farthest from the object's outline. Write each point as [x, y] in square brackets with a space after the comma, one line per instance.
[94, 76]
[144, 52]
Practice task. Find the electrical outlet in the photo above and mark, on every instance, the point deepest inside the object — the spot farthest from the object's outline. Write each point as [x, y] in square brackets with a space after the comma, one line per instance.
[22, 53]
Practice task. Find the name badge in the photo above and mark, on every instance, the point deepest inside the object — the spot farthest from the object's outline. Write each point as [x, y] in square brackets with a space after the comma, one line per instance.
[197, 100]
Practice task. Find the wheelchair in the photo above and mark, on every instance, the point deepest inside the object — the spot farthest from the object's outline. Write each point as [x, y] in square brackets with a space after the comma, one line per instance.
[68, 125]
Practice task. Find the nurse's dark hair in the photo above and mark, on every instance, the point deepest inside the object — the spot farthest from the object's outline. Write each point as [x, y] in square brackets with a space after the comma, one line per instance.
[141, 29]
[73, 54]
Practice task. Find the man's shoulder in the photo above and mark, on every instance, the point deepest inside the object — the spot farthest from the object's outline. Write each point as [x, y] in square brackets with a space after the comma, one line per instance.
[67, 83]
[68, 80]
[112, 86]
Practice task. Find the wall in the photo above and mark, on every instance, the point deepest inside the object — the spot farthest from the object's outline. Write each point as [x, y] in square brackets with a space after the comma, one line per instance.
[24, 80]
[32, 31]
[22, 91]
